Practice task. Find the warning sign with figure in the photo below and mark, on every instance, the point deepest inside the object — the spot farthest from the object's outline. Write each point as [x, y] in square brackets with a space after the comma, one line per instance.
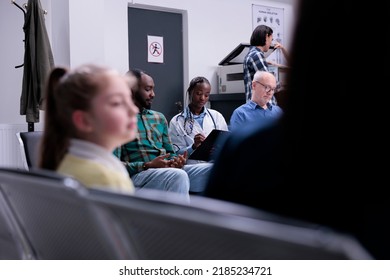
[155, 49]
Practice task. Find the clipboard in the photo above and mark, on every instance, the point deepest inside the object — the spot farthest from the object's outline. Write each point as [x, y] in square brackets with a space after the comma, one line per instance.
[205, 150]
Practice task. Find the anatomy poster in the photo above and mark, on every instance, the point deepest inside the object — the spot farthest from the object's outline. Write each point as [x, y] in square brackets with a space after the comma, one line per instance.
[272, 17]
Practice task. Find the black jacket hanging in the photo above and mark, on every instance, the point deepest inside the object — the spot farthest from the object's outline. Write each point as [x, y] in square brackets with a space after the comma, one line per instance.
[38, 61]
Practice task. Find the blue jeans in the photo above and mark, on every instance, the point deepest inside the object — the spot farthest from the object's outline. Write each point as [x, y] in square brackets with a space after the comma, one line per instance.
[192, 177]
[198, 174]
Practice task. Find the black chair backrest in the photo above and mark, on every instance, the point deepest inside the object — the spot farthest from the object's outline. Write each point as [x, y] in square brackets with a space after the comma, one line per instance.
[169, 229]
[13, 243]
[59, 221]
[29, 147]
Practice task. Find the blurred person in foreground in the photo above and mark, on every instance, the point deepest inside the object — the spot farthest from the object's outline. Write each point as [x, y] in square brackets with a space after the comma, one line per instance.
[319, 161]
[89, 112]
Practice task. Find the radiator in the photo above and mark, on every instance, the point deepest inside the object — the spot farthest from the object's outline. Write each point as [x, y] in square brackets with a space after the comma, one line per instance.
[10, 150]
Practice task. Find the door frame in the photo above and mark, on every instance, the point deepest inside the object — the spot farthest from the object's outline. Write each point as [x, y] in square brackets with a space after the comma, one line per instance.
[184, 14]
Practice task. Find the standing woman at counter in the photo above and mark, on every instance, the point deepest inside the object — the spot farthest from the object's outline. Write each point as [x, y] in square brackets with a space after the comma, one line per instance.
[189, 128]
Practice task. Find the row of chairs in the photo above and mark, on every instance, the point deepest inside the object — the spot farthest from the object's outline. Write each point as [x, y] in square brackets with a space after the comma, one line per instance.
[45, 215]
[48, 216]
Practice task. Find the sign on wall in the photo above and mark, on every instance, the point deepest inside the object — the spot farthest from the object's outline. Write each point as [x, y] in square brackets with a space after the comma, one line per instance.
[155, 49]
[274, 18]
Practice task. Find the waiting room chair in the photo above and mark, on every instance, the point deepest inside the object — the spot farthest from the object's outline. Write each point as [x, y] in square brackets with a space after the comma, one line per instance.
[13, 243]
[63, 220]
[164, 228]
[58, 220]
[29, 147]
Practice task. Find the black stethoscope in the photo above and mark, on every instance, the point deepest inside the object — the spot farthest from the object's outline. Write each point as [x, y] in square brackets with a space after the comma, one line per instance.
[189, 120]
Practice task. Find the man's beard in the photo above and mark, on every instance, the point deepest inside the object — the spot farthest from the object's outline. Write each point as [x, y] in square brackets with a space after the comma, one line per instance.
[142, 102]
[147, 106]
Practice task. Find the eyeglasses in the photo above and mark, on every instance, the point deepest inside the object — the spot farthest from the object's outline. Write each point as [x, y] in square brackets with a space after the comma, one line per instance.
[268, 89]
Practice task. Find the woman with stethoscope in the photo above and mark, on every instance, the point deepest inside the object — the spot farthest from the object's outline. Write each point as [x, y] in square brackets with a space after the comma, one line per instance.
[189, 128]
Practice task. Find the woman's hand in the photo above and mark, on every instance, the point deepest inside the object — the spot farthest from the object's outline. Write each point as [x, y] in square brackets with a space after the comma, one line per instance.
[284, 51]
[198, 139]
[278, 46]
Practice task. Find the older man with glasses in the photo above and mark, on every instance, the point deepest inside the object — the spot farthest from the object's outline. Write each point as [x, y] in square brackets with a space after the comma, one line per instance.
[259, 107]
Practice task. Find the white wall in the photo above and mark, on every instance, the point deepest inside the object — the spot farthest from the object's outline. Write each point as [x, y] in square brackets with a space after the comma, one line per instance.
[96, 31]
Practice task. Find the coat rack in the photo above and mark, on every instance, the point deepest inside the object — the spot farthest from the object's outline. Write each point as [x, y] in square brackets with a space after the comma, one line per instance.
[32, 115]
[17, 5]
[25, 7]
[24, 15]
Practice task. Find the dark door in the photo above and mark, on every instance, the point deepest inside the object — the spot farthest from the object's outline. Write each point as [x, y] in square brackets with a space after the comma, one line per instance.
[168, 76]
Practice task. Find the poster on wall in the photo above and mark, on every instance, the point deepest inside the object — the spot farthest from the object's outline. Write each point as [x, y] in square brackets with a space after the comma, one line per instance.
[155, 49]
[274, 18]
